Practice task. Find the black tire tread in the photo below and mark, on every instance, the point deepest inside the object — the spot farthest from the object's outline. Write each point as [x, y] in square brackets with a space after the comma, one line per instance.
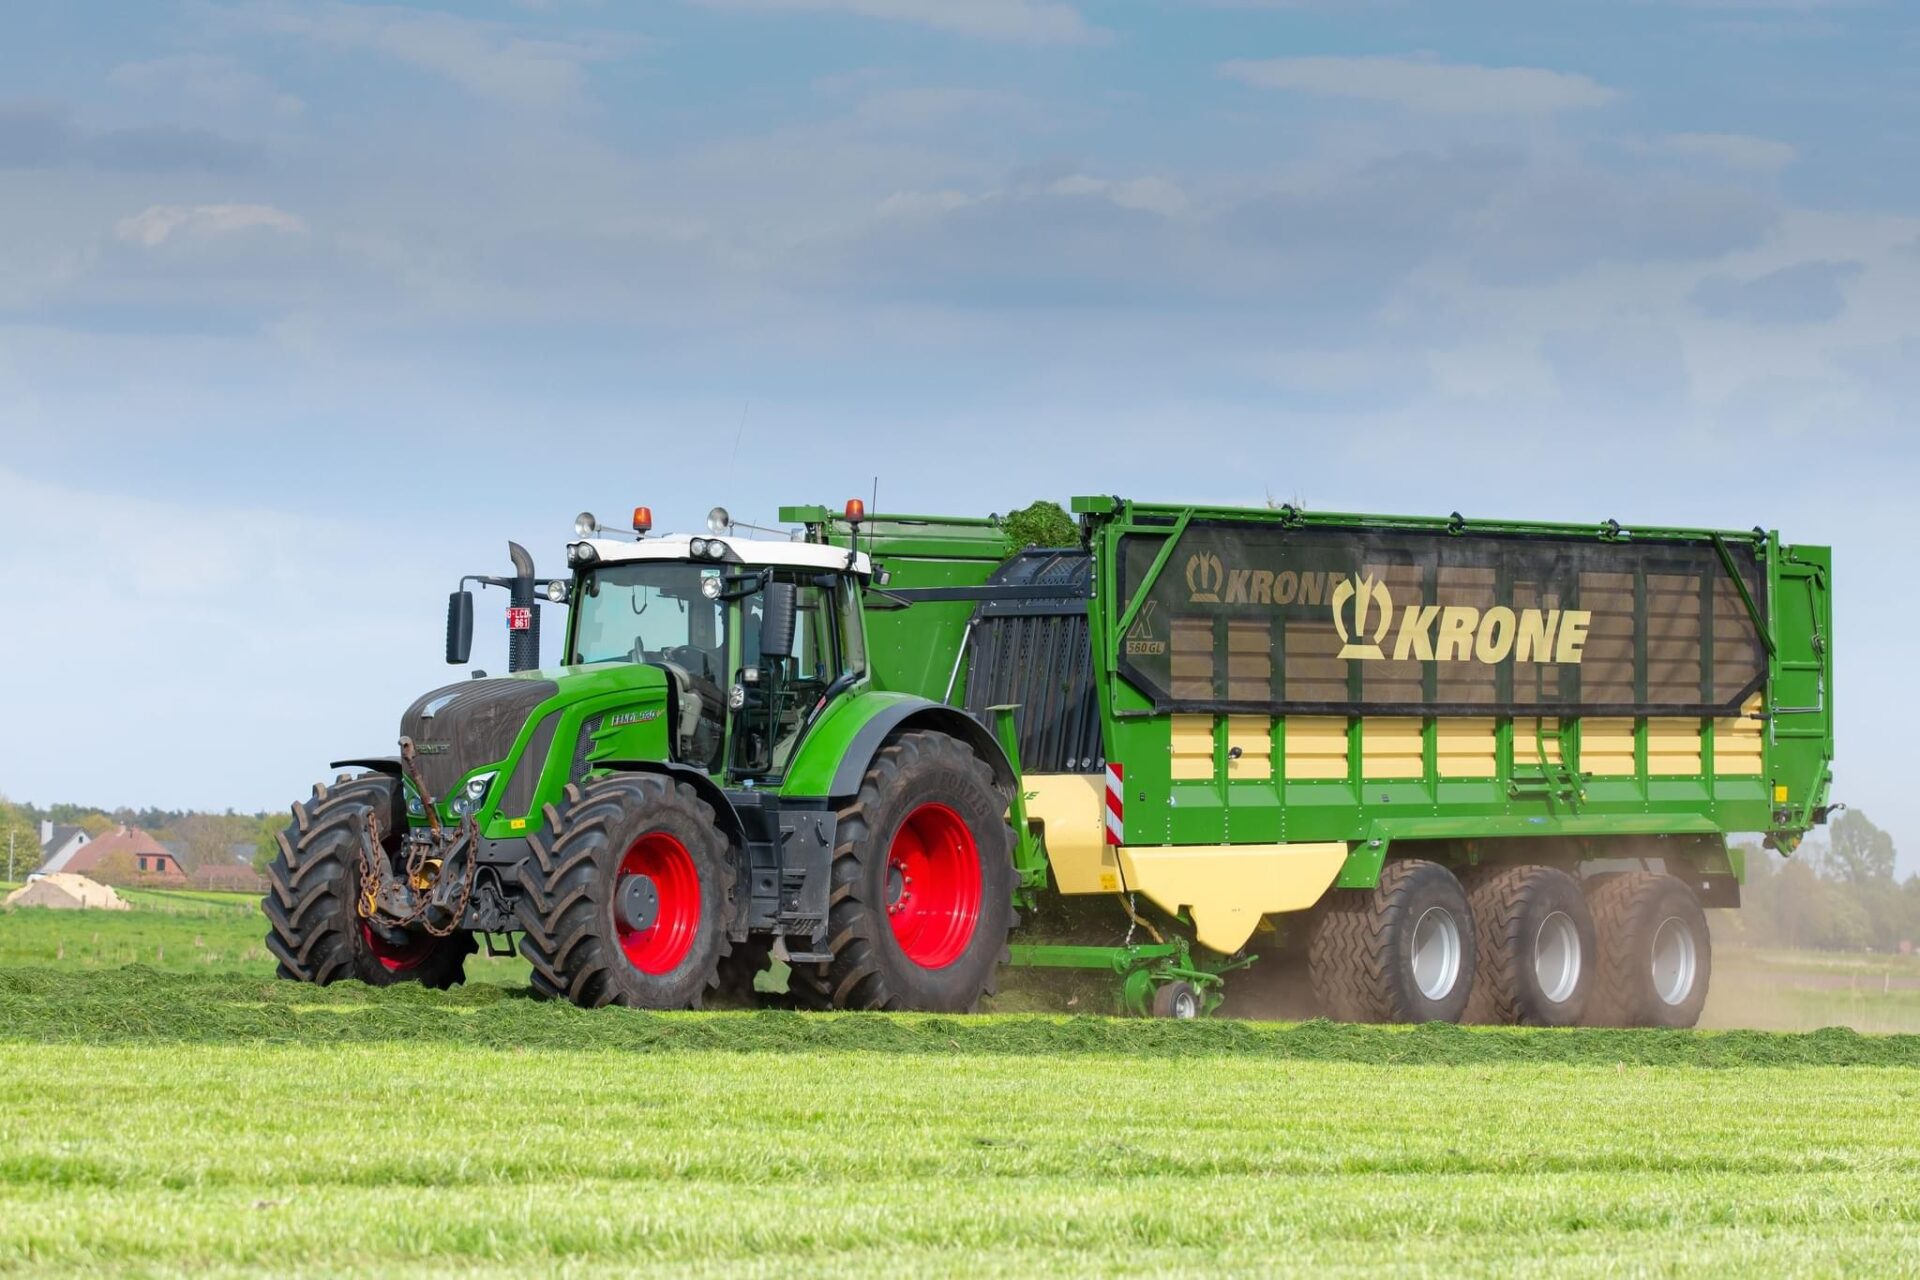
[312, 926]
[1619, 904]
[559, 912]
[855, 979]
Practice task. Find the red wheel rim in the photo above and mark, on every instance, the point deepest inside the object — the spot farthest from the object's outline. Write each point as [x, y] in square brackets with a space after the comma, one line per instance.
[411, 955]
[934, 887]
[663, 942]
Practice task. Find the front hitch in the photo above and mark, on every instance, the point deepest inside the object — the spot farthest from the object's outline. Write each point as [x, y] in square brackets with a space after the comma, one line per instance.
[434, 882]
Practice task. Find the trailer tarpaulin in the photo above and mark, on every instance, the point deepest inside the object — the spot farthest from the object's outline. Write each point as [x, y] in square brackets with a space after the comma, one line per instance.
[1255, 618]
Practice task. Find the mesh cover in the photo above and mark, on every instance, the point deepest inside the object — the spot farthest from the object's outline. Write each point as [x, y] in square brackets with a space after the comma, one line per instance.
[1338, 621]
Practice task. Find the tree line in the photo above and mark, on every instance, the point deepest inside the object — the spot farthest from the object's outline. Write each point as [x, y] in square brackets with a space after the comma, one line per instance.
[198, 838]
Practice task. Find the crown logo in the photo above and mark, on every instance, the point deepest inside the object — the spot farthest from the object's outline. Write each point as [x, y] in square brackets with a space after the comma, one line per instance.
[1364, 594]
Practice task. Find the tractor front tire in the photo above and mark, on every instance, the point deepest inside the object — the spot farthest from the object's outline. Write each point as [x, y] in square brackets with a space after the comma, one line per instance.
[1656, 956]
[313, 891]
[922, 897]
[1399, 952]
[627, 895]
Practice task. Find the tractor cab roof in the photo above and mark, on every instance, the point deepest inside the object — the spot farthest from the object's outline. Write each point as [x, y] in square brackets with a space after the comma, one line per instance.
[778, 553]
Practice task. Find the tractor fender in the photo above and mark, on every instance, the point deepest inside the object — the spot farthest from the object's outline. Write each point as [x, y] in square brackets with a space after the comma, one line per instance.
[725, 815]
[908, 716]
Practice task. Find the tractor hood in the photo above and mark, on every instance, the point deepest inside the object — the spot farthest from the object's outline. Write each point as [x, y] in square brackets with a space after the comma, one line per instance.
[461, 727]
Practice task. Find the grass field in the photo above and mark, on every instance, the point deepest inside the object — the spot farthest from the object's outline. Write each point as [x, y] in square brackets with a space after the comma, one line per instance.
[177, 1122]
[189, 1114]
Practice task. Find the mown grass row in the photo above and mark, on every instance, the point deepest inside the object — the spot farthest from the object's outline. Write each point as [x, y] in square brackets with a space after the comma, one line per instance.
[138, 1005]
[398, 1158]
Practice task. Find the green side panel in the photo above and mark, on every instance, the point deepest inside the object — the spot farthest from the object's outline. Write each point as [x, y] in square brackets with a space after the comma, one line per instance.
[1800, 708]
[624, 707]
[913, 650]
[810, 774]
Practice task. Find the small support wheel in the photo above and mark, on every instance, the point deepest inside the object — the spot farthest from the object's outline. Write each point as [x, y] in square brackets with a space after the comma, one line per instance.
[1176, 1000]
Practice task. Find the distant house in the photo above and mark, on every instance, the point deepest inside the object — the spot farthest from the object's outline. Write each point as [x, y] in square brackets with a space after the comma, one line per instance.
[58, 843]
[127, 852]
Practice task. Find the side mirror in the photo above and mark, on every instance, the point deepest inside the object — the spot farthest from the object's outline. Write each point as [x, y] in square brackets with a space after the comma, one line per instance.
[459, 628]
[779, 607]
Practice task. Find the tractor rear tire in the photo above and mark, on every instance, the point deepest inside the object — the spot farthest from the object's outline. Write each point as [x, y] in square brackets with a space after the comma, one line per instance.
[1535, 948]
[314, 929]
[1656, 955]
[1402, 951]
[627, 895]
[922, 898]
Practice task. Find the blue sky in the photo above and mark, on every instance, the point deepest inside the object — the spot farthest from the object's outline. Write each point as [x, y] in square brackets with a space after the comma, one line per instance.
[305, 309]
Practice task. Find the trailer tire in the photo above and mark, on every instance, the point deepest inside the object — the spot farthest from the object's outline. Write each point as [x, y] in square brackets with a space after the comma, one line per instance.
[927, 805]
[314, 929]
[1656, 954]
[627, 895]
[1402, 951]
[1534, 947]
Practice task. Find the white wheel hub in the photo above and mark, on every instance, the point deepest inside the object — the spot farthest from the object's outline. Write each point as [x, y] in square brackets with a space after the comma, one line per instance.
[1436, 953]
[1557, 958]
[1675, 961]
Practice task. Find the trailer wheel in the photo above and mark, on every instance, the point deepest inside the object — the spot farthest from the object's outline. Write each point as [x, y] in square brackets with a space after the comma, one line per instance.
[1402, 951]
[1534, 942]
[1176, 1000]
[314, 929]
[626, 897]
[922, 898]
[1656, 956]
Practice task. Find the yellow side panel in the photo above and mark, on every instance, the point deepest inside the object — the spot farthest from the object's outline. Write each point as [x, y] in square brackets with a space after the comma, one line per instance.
[1071, 811]
[1230, 888]
[1673, 748]
[1527, 736]
[1316, 747]
[1392, 747]
[1464, 748]
[1252, 736]
[1739, 744]
[1606, 747]
[1192, 747]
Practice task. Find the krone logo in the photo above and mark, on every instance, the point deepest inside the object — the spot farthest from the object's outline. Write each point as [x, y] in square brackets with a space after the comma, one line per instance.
[1205, 574]
[1360, 641]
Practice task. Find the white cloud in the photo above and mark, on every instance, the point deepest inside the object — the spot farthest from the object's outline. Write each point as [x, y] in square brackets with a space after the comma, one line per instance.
[487, 58]
[1013, 21]
[1729, 150]
[1421, 85]
[159, 223]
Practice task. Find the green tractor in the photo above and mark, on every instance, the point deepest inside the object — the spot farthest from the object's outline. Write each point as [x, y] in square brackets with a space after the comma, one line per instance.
[709, 780]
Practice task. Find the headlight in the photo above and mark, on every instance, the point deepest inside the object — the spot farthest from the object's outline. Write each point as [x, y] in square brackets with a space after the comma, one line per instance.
[473, 795]
[712, 587]
[581, 554]
[557, 592]
[416, 807]
[697, 548]
[737, 697]
[714, 550]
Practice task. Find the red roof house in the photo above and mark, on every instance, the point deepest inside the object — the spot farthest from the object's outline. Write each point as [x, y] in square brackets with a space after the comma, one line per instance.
[123, 853]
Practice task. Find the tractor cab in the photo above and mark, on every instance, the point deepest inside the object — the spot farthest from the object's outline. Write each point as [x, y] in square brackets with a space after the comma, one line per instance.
[756, 636]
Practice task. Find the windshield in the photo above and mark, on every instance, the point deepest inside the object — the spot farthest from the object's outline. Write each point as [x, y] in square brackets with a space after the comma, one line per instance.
[651, 612]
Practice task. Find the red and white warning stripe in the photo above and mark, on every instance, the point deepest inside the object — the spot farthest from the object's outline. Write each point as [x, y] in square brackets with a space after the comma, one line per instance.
[1116, 805]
